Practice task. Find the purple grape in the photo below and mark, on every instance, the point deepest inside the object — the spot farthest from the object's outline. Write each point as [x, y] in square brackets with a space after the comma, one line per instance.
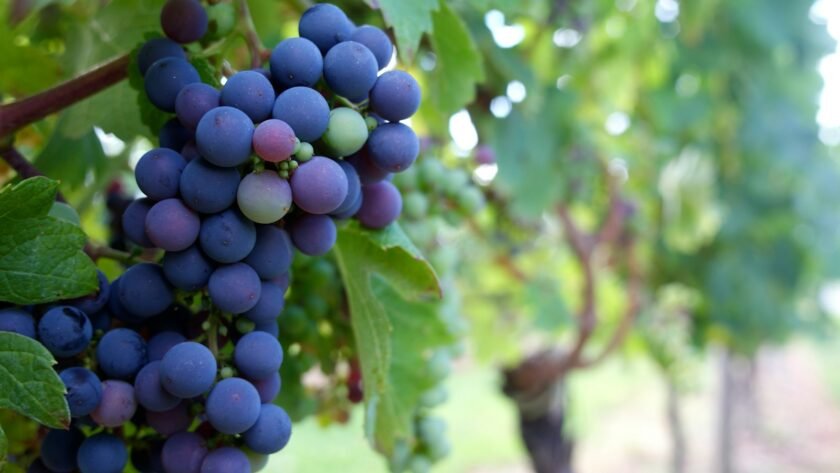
[250, 92]
[188, 369]
[121, 353]
[207, 188]
[305, 110]
[161, 343]
[190, 152]
[157, 48]
[377, 41]
[395, 96]
[150, 393]
[319, 185]
[224, 136]
[183, 453]
[381, 205]
[325, 25]
[188, 269]
[269, 305]
[143, 290]
[134, 222]
[193, 101]
[272, 253]
[269, 326]
[274, 140]
[271, 432]
[350, 211]
[117, 406]
[393, 147]
[233, 405]
[296, 62]
[234, 288]
[350, 70]
[226, 460]
[268, 387]
[165, 79]
[313, 235]
[368, 171]
[170, 422]
[227, 237]
[173, 135]
[257, 355]
[158, 173]
[184, 21]
[354, 188]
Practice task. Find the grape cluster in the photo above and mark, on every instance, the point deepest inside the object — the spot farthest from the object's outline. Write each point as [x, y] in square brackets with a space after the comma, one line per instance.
[174, 365]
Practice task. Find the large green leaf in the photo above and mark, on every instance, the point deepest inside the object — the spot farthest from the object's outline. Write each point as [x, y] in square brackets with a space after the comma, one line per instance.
[458, 66]
[392, 293]
[410, 20]
[41, 258]
[28, 383]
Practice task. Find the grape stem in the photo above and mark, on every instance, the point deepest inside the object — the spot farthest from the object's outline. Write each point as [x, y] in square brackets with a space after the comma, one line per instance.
[212, 338]
[31, 109]
[258, 52]
[96, 251]
[24, 168]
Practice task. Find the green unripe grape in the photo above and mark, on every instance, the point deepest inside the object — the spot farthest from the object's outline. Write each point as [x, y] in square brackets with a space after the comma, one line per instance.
[453, 181]
[444, 259]
[62, 211]
[303, 154]
[439, 365]
[420, 464]
[470, 200]
[346, 132]
[244, 325]
[422, 233]
[295, 164]
[415, 205]
[264, 197]
[371, 123]
[430, 171]
[297, 146]
[221, 19]
[226, 372]
[439, 448]
[429, 429]
[434, 397]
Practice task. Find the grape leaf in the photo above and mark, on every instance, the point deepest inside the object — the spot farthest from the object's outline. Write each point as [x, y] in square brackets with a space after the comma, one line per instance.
[41, 258]
[4, 447]
[410, 20]
[393, 296]
[458, 66]
[72, 158]
[28, 383]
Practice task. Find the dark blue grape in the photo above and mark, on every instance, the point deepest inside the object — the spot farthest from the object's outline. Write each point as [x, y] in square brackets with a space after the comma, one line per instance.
[224, 135]
[134, 222]
[157, 48]
[65, 331]
[269, 305]
[188, 369]
[17, 321]
[190, 152]
[165, 79]
[183, 21]
[95, 302]
[227, 237]
[349, 211]
[325, 25]
[393, 147]
[193, 101]
[305, 110]
[250, 92]
[269, 326]
[313, 235]
[234, 288]
[233, 406]
[268, 387]
[257, 355]
[319, 185]
[272, 253]
[381, 205]
[395, 96]
[271, 432]
[37, 466]
[102, 453]
[58, 449]
[296, 62]
[350, 70]
[158, 173]
[146, 458]
[149, 391]
[368, 171]
[84, 390]
[207, 188]
[183, 453]
[170, 422]
[354, 188]
[159, 344]
[116, 307]
[173, 135]
[101, 320]
[121, 353]
[171, 225]
[377, 41]
[226, 460]
[143, 290]
[117, 406]
[189, 269]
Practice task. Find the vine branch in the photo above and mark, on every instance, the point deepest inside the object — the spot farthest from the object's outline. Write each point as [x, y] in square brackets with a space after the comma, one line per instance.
[24, 168]
[31, 109]
[258, 52]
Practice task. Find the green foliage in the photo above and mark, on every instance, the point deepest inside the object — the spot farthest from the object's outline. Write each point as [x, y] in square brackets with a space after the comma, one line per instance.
[410, 21]
[28, 383]
[391, 292]
[70, 158]
[4, 447]
[41, 258]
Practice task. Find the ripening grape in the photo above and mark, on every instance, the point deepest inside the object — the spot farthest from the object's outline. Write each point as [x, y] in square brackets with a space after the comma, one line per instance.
[165, 79]
[350, 70]
[183, 21]
[325, 25]
[319, 185]
[296, 62]
[117, 406]
[346, 132]
[377, 41]
[264, 197]
[274, 140]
